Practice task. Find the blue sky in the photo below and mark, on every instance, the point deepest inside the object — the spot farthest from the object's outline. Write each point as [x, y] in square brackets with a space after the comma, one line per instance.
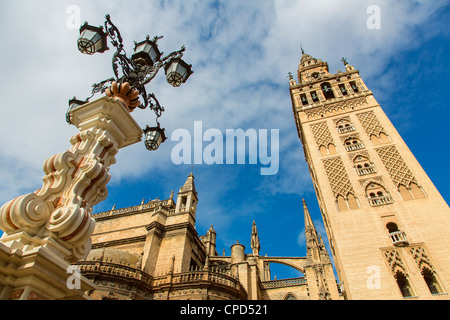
[241, 53]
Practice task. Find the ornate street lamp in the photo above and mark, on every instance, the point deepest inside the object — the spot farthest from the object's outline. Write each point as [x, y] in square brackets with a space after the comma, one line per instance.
[73, 103]
[92, 39]
[135, 72]
[146, 50]
[177, 72]
[51, 228]
[154, 137]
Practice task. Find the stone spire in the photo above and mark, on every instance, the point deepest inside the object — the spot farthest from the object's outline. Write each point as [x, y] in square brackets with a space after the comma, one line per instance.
[309, 225]
[189, 185]
[187, 197]
[318, 264]
[315, 247]
[210, 241]
[254, 243]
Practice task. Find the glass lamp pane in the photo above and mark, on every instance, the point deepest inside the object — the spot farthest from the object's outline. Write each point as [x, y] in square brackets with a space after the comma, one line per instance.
[148, 51]
[85, 44]
[153, 135]
[177, 72]
[91, 40]
[173, 77]
[154, 55]
[182, 71]
[153, 140]
[146, 47]
[98, 44]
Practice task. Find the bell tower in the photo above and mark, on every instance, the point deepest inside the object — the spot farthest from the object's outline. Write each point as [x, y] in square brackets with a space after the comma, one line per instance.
[187, 197]
[386, 222]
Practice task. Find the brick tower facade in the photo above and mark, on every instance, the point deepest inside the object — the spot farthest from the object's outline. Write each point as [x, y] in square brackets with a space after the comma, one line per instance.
[387, 224]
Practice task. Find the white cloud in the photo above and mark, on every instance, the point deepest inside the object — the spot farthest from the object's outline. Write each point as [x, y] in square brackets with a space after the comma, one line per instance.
[241, 52]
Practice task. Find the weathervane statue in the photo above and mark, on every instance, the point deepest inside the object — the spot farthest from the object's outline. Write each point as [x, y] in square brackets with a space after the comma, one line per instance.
[47, 230]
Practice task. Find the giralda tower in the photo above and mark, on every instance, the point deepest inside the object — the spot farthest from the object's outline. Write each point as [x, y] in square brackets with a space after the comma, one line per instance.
[387, 224]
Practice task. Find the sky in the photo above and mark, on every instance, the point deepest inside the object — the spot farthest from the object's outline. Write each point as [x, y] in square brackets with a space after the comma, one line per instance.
[241, 53]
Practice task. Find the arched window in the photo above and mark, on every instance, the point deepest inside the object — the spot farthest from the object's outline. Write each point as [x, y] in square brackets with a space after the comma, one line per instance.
[412, 192]
[377, 195]
[304, 99]
[349, 203]
[354, 87]
[382, 138]
[363, 166]
[327, 90]
[343, 89]
[344, 126]
[314, 96]
[325, 151]
[397, 236]
[290, 296]
[352, 144]
[392, 227]
[431, 281]
[403, 284]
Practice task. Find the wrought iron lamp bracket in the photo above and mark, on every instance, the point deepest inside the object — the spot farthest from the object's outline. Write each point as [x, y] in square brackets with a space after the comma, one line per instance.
[135, 74]
[133, 71]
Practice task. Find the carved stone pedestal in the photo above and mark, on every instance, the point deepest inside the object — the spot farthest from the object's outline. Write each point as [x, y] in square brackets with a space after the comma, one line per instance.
[47, 230]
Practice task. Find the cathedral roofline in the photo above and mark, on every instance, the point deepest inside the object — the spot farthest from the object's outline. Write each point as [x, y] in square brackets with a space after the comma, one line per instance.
[116, 213]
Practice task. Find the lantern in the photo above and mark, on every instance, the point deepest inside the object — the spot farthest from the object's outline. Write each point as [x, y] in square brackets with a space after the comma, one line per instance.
[177, 72]
[146, 50]
[92, 39]
[154, 137]
[73, 104]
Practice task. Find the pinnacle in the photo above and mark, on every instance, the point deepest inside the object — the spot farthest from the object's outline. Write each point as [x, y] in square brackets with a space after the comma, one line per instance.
[308, 221]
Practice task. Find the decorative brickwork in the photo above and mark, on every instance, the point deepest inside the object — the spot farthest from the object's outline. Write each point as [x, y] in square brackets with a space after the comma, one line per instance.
[322, 134]
[353, 156]
[421, 257]
[371, 124]
[394, 261]
[396, 166]
[338, 178]
[336, 108]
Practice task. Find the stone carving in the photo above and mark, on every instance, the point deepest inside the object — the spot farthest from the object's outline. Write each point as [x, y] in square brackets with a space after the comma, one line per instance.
[371, 124]
[421, 257]
[394, 260]
[322, 134]
[337, 177]
[74, 181]
[335, 108]
[396, 166]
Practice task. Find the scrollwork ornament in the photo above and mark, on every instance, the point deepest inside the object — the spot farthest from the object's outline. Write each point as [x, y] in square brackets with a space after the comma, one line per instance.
[27, 211]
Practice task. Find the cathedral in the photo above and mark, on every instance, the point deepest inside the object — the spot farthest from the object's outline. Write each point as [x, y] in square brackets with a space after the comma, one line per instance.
[386, 222]
[152, 252]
